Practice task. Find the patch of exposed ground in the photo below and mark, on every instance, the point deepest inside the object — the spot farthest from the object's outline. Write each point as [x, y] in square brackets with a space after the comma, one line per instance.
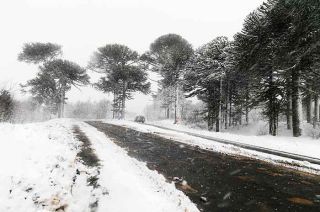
[88, 157]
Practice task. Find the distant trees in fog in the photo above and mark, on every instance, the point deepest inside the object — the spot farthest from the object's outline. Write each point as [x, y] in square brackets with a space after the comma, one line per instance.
[90, 110]
[272, 65]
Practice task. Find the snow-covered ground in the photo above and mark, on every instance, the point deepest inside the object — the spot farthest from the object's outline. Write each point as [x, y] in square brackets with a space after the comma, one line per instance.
[38, 163]
[304, 146]
[40, 171]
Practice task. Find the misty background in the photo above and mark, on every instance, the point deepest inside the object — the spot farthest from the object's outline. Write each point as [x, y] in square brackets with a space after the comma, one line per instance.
[81, 26]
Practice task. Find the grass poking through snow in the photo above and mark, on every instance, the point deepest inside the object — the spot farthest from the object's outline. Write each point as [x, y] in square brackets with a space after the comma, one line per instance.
[86, 154]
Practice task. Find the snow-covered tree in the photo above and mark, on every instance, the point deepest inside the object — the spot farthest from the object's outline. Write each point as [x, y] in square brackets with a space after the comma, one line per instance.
[124, 74]
[277, 49]
[6, 105]
[167, 56]
[55, 78]
[205, 74]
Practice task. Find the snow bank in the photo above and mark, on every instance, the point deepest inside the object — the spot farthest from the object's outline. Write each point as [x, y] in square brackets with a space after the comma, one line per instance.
[303, 146]
[37, 167]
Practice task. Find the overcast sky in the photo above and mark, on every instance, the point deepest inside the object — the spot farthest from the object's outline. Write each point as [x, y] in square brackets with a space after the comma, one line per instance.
[81, 26]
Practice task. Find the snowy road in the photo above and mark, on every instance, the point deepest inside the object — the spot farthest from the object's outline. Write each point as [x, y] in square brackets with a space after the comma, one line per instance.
[219, 182]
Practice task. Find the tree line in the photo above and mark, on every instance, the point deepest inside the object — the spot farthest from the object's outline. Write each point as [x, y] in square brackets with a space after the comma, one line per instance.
[272, 64]
[124, 73]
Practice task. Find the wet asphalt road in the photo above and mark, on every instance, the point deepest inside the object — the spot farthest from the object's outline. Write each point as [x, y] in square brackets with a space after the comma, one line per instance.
[219, 182]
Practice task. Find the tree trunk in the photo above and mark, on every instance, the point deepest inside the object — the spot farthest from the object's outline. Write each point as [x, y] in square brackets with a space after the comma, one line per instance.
[308, 104]
[220, 105]
[273, 107]
[247, 105]
[217, 119]
[124, 91]
[230, 112]
[273, 120]
[289, 112]
[59, 110]
[217, 125]
[175, 111]
[247, 115]
[226, 115]
[240, 115]
[62, 98]
[295, 103]
[63, 102]
[210, 119]
[176, 105]
[316, 111]
[114, 104]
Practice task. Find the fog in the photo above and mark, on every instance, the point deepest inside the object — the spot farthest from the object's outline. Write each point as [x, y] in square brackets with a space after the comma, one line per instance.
[81, 26]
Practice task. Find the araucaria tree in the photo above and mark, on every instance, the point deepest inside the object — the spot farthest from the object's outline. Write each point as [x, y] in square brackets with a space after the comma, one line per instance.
[55, 78]
[65, 74]
[205, 76]
[39, 52]
[124, 74]
[278, 50]
[167, 56]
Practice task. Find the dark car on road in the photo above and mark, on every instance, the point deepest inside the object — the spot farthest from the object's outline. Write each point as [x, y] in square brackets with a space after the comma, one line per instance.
[140, 119]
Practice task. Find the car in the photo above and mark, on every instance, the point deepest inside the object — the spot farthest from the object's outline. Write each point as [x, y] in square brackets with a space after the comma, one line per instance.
[140, 119]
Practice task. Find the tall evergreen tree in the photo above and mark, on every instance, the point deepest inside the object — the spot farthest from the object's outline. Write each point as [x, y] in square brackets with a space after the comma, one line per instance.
[168, 55]
[56, 76]
[277, 48]
[65, 74]
[124, 74]
[206, 72]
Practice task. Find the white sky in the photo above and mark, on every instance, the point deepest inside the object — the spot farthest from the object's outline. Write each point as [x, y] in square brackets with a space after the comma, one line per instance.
[81, 26]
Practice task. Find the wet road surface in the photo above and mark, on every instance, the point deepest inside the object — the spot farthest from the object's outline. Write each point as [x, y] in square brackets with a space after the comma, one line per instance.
[219, 182]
